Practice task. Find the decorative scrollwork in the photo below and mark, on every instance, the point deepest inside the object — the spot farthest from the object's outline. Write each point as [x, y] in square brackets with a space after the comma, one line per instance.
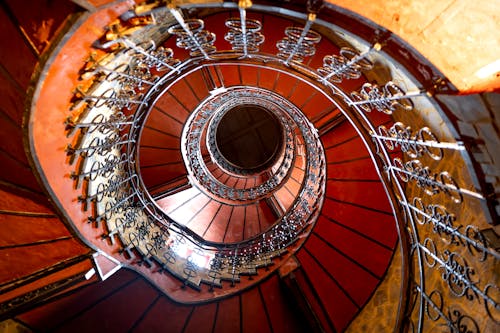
[100, 145]
[112, 99]
[193, 133]
[387, 99]
[298, 43]
[476, 242]
[129, 219]
[415, 145]
[437, 214]
[113, 206]
[492, 293]
[430, 253]
[457, 273]
[434, 306]
[136, 76]
[147, 56]
[454, 319]
[106, 189]
[192, 37]
[117, 197]
[444, 225]
[104, 168]
[459, 322]
[348, 65]
[114, 123]
[244, 35]
[424, 178]
[142, 231]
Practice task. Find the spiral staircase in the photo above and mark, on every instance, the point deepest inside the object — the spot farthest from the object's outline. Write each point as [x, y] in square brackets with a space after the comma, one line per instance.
[239, 167]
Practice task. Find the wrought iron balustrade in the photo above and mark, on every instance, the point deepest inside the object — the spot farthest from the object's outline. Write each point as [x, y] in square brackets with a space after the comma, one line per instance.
[444, 253]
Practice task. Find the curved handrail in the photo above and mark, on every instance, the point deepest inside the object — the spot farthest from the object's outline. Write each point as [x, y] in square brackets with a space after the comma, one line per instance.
[404, 181]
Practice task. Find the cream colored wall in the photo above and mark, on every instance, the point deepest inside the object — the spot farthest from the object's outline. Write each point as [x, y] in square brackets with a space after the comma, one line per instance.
[459, 37]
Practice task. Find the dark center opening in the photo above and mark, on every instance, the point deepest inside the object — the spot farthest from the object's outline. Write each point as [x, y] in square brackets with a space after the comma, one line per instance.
[249, 137]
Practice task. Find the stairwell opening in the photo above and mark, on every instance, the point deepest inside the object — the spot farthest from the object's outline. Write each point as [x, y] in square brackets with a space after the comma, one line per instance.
[249, 137]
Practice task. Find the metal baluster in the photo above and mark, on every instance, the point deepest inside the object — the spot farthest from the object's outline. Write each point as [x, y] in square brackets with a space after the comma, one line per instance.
[414, 145]
[456, 274]
[154, 61]
[129, 220]
[299, 42]
[116, 121]
[138, 79]
[185, 28]
[335, 67]
[107, 189]
[442, 222]
[100, 169]
[111, 207]
[215, 272]
[428, 181]
[242, 5]
[387, 100]
[244, 35]
[462, 323]
[138, 239]
[101, 146]
[113, 100]
[234, 263]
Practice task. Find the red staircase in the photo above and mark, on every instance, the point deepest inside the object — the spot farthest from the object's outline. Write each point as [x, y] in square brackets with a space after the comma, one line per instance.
[342, 262]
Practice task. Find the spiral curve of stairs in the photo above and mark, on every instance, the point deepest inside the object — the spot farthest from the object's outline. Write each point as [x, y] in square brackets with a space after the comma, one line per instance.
[357, 198]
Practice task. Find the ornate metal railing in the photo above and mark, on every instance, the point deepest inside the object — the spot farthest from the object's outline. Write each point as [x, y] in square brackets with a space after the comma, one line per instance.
[215, 107]
[452, 269]
[284, 154]
[107, 148]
